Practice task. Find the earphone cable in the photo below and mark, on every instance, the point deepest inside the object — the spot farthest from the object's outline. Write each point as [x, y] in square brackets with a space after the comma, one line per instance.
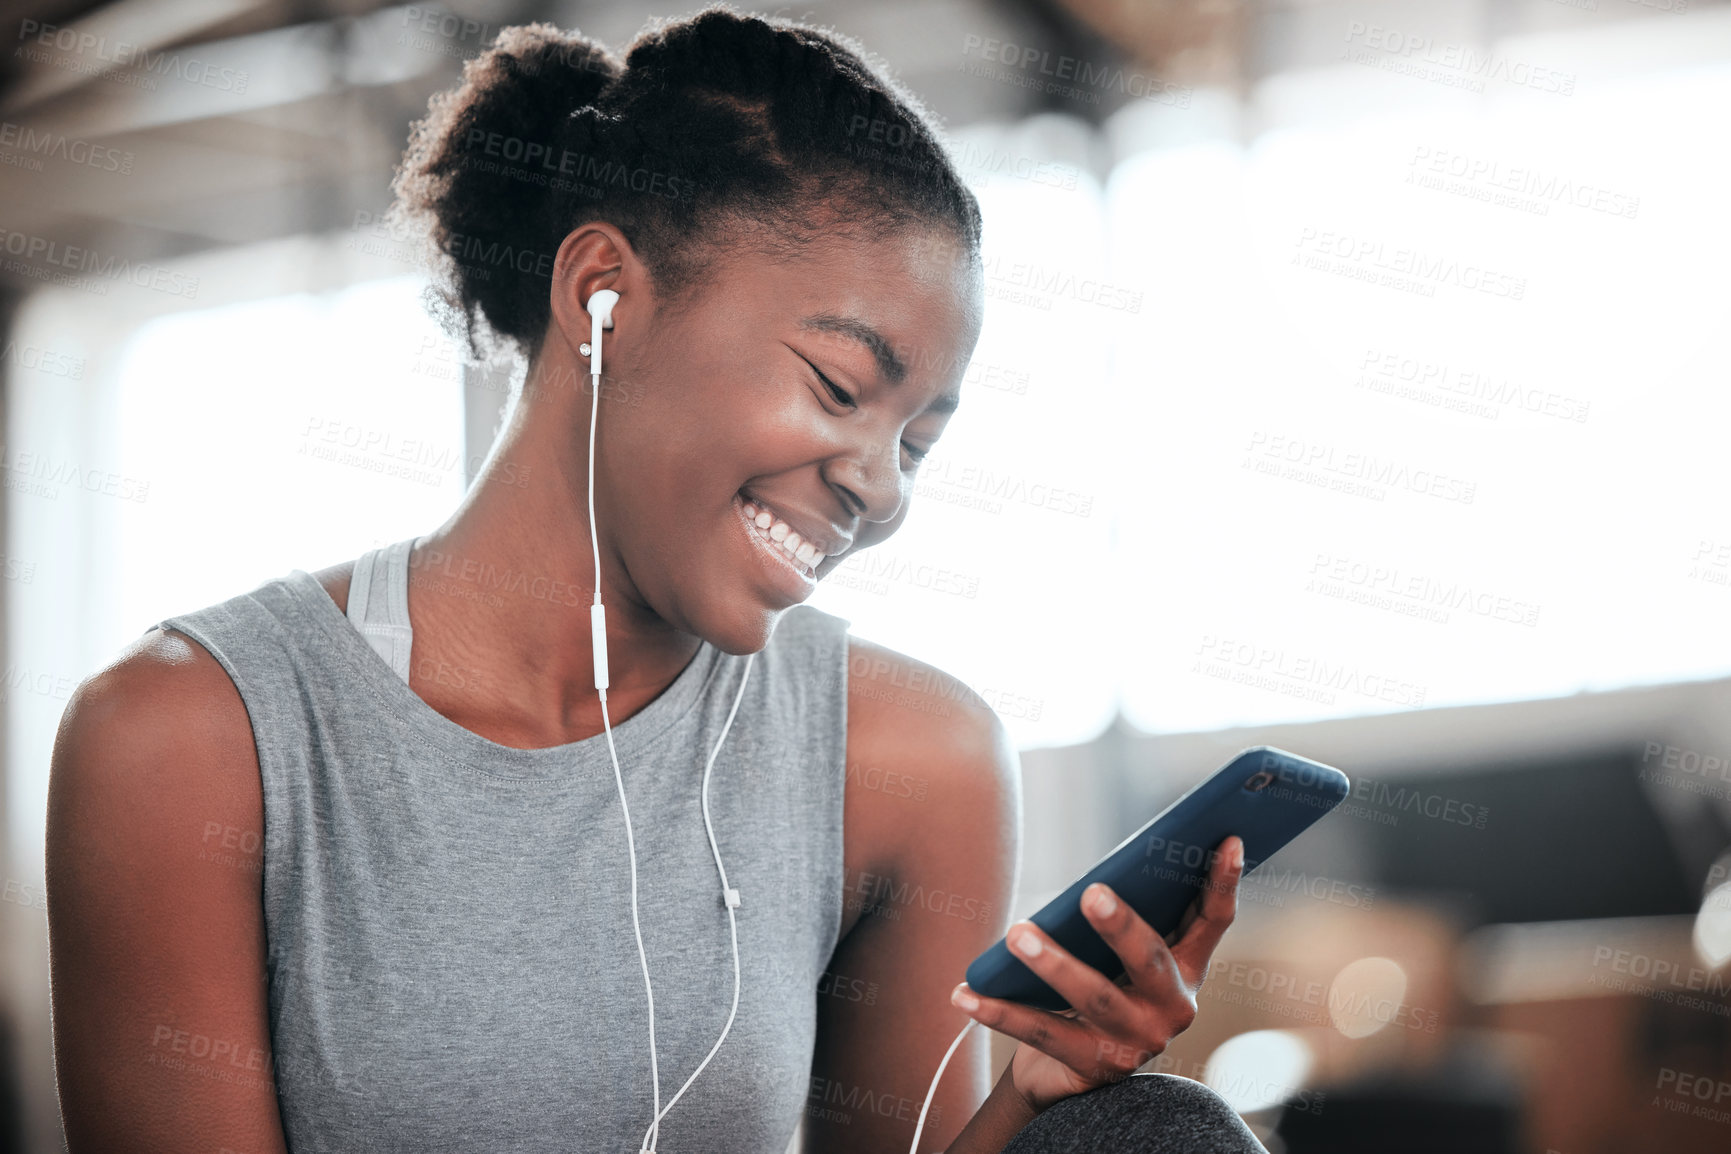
[730, 898]
[921, 1125]
[619, 777]
[642, 956]
[594, 539]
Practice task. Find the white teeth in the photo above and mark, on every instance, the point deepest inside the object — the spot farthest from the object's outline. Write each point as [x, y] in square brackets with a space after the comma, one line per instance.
[782, 534]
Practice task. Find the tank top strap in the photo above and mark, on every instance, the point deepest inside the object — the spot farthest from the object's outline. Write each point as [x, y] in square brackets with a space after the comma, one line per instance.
[379, 603]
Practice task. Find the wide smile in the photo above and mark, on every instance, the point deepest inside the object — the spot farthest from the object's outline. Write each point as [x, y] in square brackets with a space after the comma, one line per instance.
[793, 573]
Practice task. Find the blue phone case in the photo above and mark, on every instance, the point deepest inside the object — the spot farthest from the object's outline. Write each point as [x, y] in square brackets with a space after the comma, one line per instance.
[1266, 796]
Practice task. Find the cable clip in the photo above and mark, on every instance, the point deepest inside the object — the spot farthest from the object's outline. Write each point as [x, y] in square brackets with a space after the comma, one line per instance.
[730, 897]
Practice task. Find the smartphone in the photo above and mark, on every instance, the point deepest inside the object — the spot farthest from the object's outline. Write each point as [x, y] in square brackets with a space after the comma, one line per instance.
[1266, 796]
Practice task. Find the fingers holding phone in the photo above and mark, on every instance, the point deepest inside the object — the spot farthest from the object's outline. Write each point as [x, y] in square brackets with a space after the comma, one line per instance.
[1215, 907]
[1114, 1026]
[1125, 978]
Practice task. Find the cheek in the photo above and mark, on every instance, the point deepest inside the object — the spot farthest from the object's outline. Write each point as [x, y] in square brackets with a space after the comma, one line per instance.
[716, 406]
[653, 428]
[769, 427]
[678, 455]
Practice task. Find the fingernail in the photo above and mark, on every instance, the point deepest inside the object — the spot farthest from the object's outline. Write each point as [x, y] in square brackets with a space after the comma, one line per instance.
[960, 997]
[1027, 944]
[1238, 854]
[1104, 904]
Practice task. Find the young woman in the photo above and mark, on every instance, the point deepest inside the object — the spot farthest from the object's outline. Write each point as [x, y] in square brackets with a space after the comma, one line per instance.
[341, 863]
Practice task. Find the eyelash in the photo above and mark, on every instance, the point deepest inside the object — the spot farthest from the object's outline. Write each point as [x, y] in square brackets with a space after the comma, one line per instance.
[843, 397]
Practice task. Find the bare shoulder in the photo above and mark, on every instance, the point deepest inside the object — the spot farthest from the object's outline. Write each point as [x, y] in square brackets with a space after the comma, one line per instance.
[919, 734]
[154, 860]
[155, 748]
[164, 692]
[933, 826]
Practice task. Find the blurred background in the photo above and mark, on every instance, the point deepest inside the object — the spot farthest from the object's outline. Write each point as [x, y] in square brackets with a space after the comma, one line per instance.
[1355, 379]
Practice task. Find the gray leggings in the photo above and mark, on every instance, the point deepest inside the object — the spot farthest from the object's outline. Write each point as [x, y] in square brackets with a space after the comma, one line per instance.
[1143, 1114]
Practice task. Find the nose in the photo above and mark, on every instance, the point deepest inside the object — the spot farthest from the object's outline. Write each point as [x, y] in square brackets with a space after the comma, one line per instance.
[869, 479]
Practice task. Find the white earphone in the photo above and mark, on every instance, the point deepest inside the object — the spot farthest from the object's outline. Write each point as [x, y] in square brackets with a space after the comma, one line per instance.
[600, 309]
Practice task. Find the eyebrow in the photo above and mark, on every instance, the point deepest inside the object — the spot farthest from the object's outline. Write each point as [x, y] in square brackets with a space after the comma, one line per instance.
[889, 364]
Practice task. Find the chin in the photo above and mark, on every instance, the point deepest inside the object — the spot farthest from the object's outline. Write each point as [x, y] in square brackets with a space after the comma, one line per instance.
[739, 628]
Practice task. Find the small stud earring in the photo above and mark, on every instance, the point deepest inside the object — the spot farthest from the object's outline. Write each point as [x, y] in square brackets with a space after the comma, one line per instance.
[584, 348]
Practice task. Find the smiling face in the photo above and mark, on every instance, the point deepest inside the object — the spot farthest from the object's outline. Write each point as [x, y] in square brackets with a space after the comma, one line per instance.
[800, 390]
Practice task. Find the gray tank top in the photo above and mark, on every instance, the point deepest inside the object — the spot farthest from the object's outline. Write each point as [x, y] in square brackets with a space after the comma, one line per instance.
[450, 952]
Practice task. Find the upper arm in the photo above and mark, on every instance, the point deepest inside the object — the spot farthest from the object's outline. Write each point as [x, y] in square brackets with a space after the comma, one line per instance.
[155, 912]
[934, 793]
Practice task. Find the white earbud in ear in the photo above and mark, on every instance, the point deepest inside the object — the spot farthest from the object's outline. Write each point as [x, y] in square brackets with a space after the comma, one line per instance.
[600, 310]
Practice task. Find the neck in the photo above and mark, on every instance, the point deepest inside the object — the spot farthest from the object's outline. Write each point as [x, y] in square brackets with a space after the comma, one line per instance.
[507, 582]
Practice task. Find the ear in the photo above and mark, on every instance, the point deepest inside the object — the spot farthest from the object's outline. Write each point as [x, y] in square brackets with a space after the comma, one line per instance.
[592, 257]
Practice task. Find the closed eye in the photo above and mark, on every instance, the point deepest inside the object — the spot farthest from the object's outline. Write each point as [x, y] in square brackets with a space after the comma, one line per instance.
[841, 395]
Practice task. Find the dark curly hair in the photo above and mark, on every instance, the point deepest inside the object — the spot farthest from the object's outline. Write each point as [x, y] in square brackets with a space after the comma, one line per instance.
[715, 129]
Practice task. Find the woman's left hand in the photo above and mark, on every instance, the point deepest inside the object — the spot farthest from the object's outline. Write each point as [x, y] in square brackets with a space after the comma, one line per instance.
[1115, 1026]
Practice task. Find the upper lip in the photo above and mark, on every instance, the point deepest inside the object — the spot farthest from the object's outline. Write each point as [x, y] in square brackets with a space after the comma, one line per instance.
[823, 536]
